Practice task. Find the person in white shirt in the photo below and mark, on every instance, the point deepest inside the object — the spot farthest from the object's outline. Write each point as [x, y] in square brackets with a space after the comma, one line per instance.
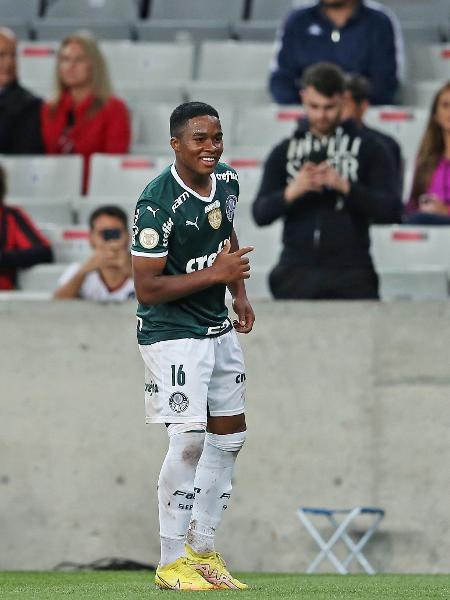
[106, 275]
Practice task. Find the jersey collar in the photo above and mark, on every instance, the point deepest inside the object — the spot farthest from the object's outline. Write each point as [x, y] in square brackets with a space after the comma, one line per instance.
[183, 185]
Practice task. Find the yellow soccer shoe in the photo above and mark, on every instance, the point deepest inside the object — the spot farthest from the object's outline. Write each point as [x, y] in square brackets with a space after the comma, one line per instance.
[181, 576]
[213, 568]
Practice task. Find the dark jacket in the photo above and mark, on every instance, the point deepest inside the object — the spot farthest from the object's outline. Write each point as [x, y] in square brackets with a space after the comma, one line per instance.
[369, 44]
[21, 245]
[20, 128]
[329, 229]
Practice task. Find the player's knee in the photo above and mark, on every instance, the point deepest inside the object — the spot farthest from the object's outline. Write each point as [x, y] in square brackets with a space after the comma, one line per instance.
[229, 442]
[186, 441]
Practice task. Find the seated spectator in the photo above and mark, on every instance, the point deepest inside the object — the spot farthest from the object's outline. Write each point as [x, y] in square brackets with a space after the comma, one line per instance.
[84, 117]
[20, 130]
[21, 244]
[106, 275]
[430, 195]
[356, 103]
[358, 36]
[328, 182]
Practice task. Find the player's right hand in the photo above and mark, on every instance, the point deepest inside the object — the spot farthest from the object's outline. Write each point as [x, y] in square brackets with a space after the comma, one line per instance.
[232, 266]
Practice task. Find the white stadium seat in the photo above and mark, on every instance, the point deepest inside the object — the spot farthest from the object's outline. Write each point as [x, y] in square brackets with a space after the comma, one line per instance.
[43, 175]
[265, 125]
[250, 172]
[121, 175]
[36, 66]
[41, 278]
[52, 209]
[405, 124]
[198, 10]
[148, 66]
[70, 243]
[84, 206]
[430, 62]
[93, 9]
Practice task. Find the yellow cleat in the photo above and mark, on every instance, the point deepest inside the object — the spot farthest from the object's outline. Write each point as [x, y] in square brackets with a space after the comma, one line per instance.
[181, 576]
[213, 568]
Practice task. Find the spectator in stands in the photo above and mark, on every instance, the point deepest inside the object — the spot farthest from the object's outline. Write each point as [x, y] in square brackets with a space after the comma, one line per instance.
[430, 195]
[106, 275]
[21, 244]
[84, 117]
[20, 131]
[356, 103]
[328, 182]
[358, 36]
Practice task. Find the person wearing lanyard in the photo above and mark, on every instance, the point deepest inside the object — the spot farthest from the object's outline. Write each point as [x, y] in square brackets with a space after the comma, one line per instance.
[430, 196]
[360, 37]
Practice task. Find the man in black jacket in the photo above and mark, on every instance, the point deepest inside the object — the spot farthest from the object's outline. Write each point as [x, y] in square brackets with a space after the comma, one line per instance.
[328, 182]
[19, 109]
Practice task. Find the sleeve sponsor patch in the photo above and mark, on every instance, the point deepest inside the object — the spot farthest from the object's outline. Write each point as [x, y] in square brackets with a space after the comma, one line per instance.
[149, 238]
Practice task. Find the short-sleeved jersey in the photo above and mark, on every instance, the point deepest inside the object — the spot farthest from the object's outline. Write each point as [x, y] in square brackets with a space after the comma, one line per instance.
[175, 221]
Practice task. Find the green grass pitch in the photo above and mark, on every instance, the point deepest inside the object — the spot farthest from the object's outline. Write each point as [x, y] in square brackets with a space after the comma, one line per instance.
[126, 585]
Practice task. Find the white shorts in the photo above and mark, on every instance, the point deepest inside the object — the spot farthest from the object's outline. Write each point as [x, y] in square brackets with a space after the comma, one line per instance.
[187, 379]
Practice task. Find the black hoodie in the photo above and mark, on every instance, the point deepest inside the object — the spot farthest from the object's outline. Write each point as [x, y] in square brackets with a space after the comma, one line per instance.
[329, 229]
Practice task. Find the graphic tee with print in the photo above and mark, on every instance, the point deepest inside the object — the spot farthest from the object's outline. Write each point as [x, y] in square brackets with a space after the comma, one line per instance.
[173, 220]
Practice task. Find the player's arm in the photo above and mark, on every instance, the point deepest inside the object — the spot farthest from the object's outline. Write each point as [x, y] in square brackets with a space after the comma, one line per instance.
[241, 305]
[154, 287]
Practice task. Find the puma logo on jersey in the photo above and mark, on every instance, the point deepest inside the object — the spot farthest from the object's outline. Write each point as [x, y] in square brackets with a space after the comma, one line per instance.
[153, 210]
[192, 223]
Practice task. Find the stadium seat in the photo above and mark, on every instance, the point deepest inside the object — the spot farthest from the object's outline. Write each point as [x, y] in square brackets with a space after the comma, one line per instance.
[419, 12]
[70, 243]
[89, 10]
[405, 124]
[36, 65]
[402, 247]
[155, 71]
[43, 175]
[121, 175]
[58, 29]
[232, 72]
[41, 278]
[182, 30]
[250, 173]
[52, 209]
[261, 10]
[26, 10]
[414, 283]
[255, 31]
[85, 205]
[265, 125]
[430, 61]
[197, 10]
[419, 93]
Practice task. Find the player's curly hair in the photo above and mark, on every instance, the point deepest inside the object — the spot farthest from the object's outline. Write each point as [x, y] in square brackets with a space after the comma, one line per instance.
[186, 111]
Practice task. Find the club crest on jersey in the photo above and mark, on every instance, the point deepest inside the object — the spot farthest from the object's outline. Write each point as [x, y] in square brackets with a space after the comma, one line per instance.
[214, 214]
[178, 402]
[148, 238]
[230, 207]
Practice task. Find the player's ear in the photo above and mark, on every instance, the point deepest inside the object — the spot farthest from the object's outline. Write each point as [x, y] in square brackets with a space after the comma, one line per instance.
[175, 143]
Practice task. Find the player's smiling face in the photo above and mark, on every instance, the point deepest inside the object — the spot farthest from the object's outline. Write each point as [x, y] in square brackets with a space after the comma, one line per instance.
[199, 146]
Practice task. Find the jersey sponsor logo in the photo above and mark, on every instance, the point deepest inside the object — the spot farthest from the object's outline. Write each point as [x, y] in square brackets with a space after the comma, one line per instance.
[153, 210]
[218, 328]
[212, 206]
[194, 223]
[201, 262]
[227, 176]
[230, 207]
[240, 378]
[179, 201]
[135, 228]
[215, 218]
[178, 402]
[151, 388]
[148, 238]
[167, 228]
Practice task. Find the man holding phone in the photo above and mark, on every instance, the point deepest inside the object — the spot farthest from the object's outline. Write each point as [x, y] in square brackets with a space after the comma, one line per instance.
[106, 274]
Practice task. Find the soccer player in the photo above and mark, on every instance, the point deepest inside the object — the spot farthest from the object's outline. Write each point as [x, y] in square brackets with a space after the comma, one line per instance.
[185, 253]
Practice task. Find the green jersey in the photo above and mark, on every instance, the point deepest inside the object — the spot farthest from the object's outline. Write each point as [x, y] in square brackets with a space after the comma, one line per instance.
[175, 221]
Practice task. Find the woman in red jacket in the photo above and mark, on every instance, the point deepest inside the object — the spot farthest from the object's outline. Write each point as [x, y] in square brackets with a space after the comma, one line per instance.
[84, 117]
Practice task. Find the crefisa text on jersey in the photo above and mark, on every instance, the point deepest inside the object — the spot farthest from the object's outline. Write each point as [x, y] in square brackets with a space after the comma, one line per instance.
[201, 262]
[227, 176]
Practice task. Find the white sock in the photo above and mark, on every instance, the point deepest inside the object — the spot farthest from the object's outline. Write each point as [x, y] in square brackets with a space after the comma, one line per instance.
[176, 492]
[213, 488]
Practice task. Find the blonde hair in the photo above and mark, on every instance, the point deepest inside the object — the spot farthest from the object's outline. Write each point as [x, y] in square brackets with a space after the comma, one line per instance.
[101, 83]
[431, 149]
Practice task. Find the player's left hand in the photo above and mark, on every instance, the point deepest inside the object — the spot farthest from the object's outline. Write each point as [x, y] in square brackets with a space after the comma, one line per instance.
[245, 314]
